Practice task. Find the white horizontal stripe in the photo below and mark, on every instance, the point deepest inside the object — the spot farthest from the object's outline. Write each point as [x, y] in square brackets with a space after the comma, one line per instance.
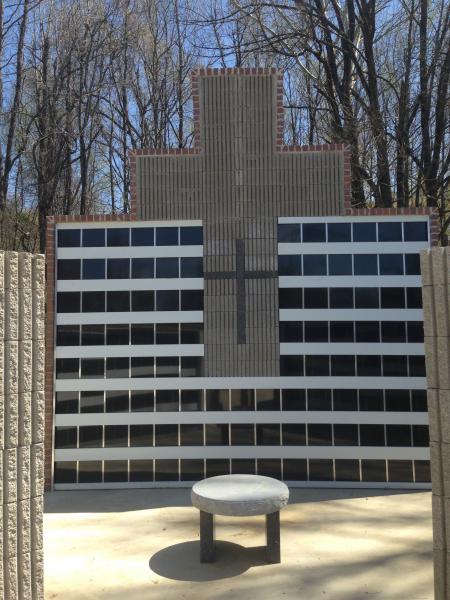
[292, 484]
[100, 285]
[351, 219]
[286, 416]
[308, 281]
[351, 314]
[352, 248]
[162, 316]
[130, 252]
[130, 350]
[217, 383]
[357, 349]
[130, 224]
[393, 453]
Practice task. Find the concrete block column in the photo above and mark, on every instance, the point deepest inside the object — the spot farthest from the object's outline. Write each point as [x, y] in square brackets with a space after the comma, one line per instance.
[435, 265]
[22, 299]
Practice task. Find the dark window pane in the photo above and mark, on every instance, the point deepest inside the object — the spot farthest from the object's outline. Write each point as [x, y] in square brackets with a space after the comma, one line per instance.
[367, 297]
[291, 331]
[295, 469]
[291, 366]
[371, 400]
[191, 266]
[367, 331]
[166, 470]
[191, 366]
[142, 300]
[342, 365]
[191, 300]
[393, 331]
[345, 434]
[316, 331]
[366, 264]
[269, 467]
[118, 236]
[347, 470]
[118, 301]
[395, 366]
[400, 470]
[94, 268]
[267, 434]
[414, 297]
[167, 267]
[315, 264]
[319, 399]
[167, 333]
[69, 268]
[243, 466]
[290, 298]
[141, 470]
[217, 466]
[67, 368]
[371, 435]
[398, 435]
[142, 268]
[191, 236]
[65, 437]
[392, 298]
[117, 401]
[417, 366]
[142, 401]
[93, 368]
[90, 436]
[340, 264]
[217, 434]
[93, 238]
[242, 399]
[268, 400]
[345, 400]
[294, 434]
[115, 471]
[191, 469]
[391, 264]
[341, 298]
[117, 367]
[364, 232]
[68, 302]
[339, 232]
[65, 472]
[191, 434]
[373, 470]
[142, 236]
[116, 436]
[389, 232]
[314, 232]
[217, 400]
[93, 302]
[90, 471]
[142, 366]
[166, 435]
[317, 366]
[415, 332]
[167, 300]
[66, 402]
[289, 264]
[166, 236]
[422, 471]
[419, 400]
[167, 401]
[316, 297]
[368, 366]
[341, 331]
[92, 335]
[397, 400]
[142, 333]
[242, 435]
[191, 400]
[288, 233]
[141, 436]
[92, 402]
[320, 469]
[68, 238]
[319, 434]
[412, 264]
[118, 268]
[415, 231]
[167, 366]
[67, 335]
[118, 334]
[191, 333]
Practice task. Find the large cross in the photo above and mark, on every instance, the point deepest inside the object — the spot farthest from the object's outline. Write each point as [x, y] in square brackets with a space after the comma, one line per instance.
[238, 180]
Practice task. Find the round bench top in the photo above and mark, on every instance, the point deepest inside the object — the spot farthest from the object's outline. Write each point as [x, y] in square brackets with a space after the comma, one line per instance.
[240, 495]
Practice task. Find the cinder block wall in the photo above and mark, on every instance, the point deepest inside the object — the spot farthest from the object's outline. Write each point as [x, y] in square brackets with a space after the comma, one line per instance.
[22, 309]
[436, 306]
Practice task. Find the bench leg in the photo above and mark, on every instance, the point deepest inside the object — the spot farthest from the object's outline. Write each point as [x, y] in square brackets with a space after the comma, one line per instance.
[206, 537]
[273, 537]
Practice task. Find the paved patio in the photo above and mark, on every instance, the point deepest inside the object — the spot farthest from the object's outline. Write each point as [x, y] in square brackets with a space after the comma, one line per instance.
[143, 544]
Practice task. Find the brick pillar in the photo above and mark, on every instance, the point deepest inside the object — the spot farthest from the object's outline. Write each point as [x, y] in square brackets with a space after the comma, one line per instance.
[436, 306]
[22, 309]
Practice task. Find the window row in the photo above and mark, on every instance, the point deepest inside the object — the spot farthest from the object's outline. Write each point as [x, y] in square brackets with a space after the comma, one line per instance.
[240, 434]
[347, 297]
[351, 331]
[124, 268]
[136, 366]
[125, 334]
[287, 469]
[134, 236]
[351, 366]
[124, 301]
[349, 264]
[408, 231]
[240, 400]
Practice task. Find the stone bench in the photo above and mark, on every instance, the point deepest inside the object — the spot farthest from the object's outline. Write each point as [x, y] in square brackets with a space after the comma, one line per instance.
[239, 496]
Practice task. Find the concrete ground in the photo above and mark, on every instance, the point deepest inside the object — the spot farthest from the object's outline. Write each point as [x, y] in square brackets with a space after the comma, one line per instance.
[143, 544]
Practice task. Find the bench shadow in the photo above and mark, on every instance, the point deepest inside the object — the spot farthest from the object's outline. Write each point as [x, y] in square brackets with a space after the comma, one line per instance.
[181, 562]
